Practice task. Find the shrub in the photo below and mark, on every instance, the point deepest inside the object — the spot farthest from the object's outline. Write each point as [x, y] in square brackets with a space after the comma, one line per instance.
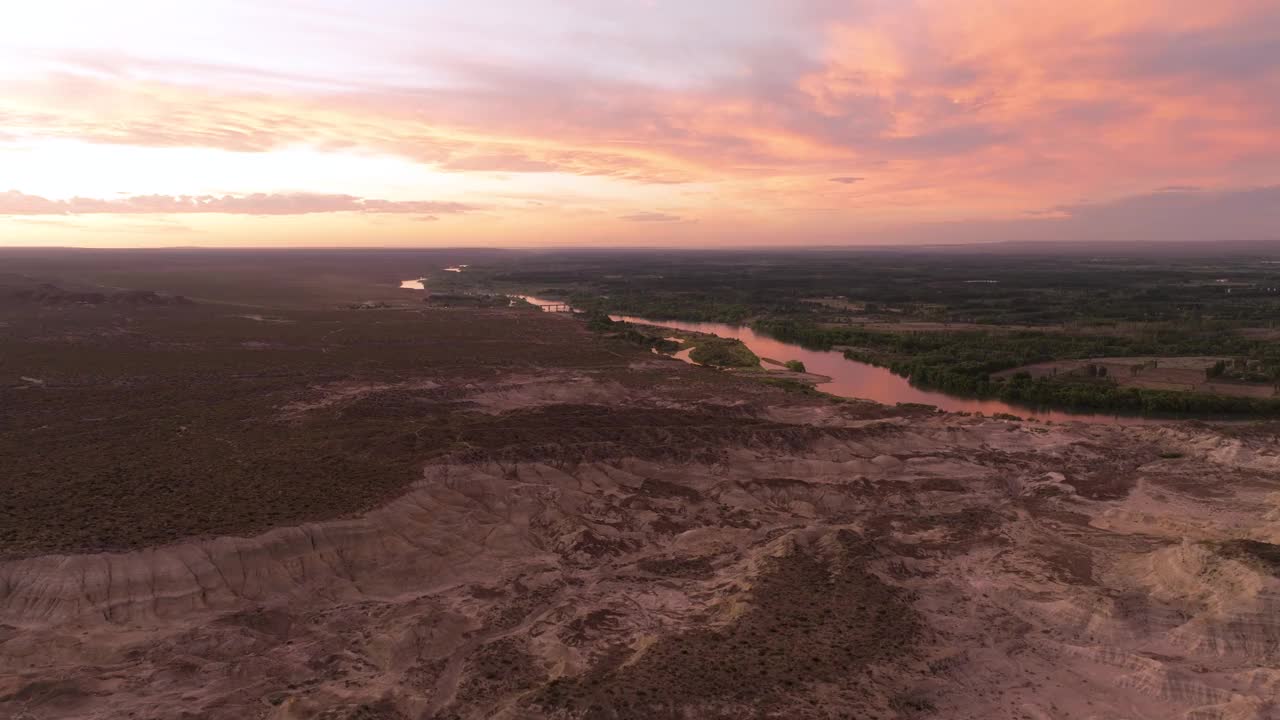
[723, 352]
[599, 322]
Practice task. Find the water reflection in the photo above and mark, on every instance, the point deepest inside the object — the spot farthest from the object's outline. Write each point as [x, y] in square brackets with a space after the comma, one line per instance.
[853, 379]
[543, 303]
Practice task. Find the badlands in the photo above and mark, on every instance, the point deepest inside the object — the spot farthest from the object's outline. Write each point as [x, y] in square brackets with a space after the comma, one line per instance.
[408, 513]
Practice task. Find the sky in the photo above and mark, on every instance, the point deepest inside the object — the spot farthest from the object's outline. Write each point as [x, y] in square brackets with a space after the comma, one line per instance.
[637, 122]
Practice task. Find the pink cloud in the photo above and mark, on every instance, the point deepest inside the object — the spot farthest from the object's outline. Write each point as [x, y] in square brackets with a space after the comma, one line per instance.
[651, 217]
[499, 162]
[17, 203]
[991, 114]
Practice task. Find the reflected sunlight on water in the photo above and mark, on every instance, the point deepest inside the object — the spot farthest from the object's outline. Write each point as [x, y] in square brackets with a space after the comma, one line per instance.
[853, 379]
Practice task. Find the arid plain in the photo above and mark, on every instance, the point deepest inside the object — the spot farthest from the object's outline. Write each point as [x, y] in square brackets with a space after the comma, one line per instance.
[260, 501]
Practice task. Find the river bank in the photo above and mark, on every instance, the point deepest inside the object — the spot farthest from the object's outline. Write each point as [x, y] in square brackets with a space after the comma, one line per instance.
[845, 377]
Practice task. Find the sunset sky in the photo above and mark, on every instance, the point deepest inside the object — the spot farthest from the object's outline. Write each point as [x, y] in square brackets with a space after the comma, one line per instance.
[637, 122]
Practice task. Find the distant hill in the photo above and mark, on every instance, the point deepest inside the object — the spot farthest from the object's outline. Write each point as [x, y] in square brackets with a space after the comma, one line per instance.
[23, 290]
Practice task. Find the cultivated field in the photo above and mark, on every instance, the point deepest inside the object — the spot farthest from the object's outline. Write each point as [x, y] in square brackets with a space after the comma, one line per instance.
[1181, 374]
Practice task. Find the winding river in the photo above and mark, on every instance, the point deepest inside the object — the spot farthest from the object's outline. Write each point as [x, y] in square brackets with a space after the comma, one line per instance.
[853, 379]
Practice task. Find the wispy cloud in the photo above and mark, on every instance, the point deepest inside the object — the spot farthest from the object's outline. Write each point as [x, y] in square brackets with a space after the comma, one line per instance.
[1239, 214]
[17, 203]
[651, 217]
[946, 114]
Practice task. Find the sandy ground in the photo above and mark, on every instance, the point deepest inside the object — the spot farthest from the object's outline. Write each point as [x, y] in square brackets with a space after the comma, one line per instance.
[830, 565]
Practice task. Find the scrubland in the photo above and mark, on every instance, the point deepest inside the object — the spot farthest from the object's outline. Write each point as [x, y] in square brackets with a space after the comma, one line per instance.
[303, 511]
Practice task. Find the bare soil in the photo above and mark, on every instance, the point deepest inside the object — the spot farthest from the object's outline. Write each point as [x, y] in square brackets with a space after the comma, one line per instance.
[411, 513]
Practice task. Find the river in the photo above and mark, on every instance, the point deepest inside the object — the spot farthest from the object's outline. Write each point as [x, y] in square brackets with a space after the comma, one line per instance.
[853, 379]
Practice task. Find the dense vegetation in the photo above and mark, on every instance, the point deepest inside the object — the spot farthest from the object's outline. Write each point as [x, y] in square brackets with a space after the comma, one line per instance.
[968, 287]
[723, 352]
[949, 320]
[983, 352]
[962, 363]
[1107, 396]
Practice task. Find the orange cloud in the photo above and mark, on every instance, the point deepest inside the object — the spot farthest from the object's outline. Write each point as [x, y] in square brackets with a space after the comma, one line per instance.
[16, 203]
[651, 217]
[879, 111]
